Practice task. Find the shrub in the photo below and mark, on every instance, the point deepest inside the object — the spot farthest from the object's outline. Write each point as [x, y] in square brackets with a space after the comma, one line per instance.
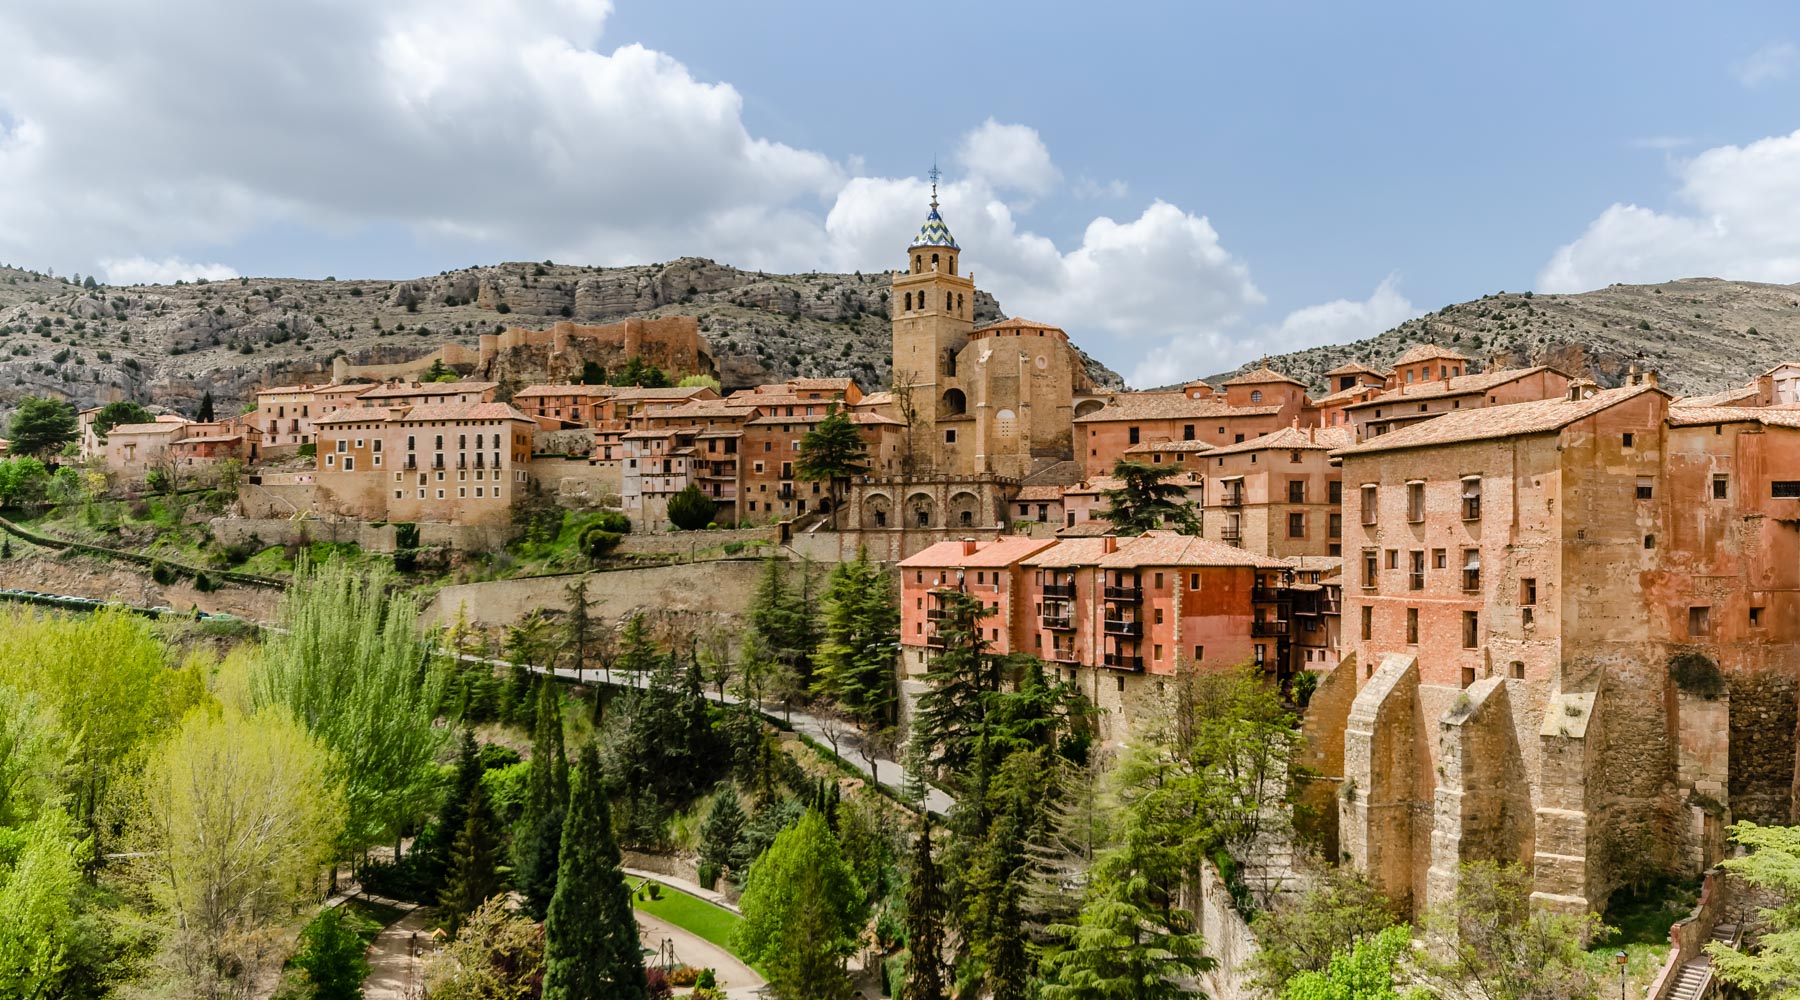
[691, 510]
[1695, 673]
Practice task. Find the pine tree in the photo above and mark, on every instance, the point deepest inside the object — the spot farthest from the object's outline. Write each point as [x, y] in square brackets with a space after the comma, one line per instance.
[953, 709]
[857, 651]
[1146, 499]
[537, 845]
[833, 451]
[590, 937]
[925, 906]
[474, 864]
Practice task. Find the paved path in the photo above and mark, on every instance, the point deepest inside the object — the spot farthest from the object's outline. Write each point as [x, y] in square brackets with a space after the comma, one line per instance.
[395, 972]
[736, 978]
[884, 771]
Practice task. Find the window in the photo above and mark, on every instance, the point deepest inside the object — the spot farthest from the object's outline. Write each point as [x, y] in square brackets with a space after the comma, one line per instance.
[1415, 580]
[1785, 489]
[1700, 620]
[1471, 630]
[1368, 623]
[1415, 501]
[1471, 497]
[1721, 487]
[1412, 626]
[1471, 571]
[1296, 491]
[1756, 617]
[1296, 525]
[1336, 526]
[1368, 503]
[1646, 487]
[1369, 569]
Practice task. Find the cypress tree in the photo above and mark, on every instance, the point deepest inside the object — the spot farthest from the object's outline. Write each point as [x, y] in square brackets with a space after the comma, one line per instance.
[924, 920]
[474, 864]
[464, 786]
[590, 938]
[536, 848]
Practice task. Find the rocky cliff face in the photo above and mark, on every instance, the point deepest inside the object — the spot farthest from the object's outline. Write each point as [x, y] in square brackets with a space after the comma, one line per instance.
[1702, 334]
[167, 345]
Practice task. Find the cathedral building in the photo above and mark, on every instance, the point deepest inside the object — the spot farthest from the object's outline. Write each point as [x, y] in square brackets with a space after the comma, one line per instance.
[994, 400]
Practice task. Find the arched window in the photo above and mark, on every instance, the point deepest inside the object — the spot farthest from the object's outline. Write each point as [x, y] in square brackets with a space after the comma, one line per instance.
[1256, 395]
[909, 302]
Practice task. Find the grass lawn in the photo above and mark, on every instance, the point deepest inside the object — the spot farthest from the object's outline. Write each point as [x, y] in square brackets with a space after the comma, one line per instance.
[713, 923]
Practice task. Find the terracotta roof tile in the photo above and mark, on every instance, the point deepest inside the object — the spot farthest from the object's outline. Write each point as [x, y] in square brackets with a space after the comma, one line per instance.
[1169, 406]
[1456, 385]
[999, 552]
[1539, 416]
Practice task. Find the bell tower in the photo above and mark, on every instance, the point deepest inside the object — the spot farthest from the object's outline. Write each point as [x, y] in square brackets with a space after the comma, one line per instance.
[933, 304]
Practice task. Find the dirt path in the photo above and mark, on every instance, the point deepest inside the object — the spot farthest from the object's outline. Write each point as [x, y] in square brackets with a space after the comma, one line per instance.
[397, 958]
[735, 978]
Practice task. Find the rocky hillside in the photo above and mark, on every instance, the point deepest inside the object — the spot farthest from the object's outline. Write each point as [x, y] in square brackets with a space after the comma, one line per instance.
[167, 345]
[1701, 334]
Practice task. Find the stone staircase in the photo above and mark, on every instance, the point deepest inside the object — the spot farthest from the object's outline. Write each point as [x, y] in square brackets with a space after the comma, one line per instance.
[1695, 979]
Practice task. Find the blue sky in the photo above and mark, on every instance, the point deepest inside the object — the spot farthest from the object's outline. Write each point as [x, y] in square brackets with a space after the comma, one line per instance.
[1181, 186]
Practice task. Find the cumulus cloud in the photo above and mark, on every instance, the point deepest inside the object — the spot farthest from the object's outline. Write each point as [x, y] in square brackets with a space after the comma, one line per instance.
[132, 143]
[168, 270]
[1339, 321]
[1773, 62]
[1738, 216]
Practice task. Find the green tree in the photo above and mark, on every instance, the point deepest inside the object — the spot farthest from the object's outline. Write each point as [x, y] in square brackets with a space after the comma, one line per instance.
[40, 426]
[802, 910]
[638, 372]
[205, 414]
[474, 875]
[691, 509]
[590, 937]
[113, 414]
[1146, 499]
[352, 666]
[832, 452]
[860, 642]
[953, 708]
[1772, 867]
[331, 955]
[538, 842]
[1303, 932]
[236, 819]
[1492, 942]
[925, 911]
[1363, 970]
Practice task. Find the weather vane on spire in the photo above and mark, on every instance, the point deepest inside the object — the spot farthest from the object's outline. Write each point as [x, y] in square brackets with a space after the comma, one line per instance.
[934, 175]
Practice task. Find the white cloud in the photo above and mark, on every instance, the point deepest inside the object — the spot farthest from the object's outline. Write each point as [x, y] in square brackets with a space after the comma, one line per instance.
[1336, 322]
[1771, 63]
[1009, 157]
[1739, 217]
[144, 271]
[131, 142]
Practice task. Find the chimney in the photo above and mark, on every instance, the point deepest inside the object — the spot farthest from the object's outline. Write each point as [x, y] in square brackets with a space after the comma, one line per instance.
[1109, 544]
[968, 546]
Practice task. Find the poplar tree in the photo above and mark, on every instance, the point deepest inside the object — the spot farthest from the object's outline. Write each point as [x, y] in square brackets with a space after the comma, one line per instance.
[538, 842]
[590, 937]
[860, 641]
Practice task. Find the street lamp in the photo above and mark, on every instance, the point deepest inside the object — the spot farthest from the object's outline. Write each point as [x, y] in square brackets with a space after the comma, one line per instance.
[1621, 958]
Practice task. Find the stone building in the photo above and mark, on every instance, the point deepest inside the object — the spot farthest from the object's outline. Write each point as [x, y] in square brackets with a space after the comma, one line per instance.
[992, 400]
